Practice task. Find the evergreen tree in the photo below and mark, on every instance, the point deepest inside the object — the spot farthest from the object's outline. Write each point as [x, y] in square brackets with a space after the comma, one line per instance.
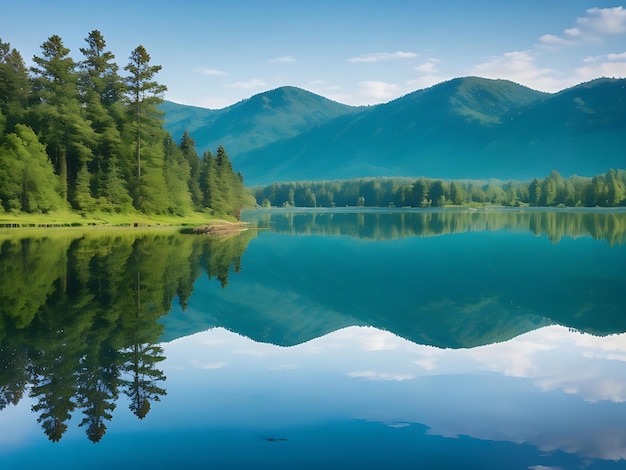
[57, 114]
[208, 179]
[188, 147]
[420, 191]
[457, 194]
[535, 192]
[615, 189]
[143, 94]
[176, 169]
[82, 192]
[27, 180]
[14, 87]
[114, 192]
[100, 72]
[101, 88]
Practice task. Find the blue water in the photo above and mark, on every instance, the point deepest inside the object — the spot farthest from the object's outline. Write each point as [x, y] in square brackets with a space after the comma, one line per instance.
[340, 348]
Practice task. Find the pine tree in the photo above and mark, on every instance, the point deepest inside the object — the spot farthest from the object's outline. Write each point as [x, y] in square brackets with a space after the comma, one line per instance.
[143, 94]
[58, 114]
[27, 180]
[188, 147]
[82, 192]
[101, 88]
[14, 87]
[208, 179]
[114, 191]
[176, 169]
[534, 193]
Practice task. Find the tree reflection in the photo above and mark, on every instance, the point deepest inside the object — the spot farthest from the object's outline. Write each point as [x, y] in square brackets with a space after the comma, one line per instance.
[79, 318]
[393, 224]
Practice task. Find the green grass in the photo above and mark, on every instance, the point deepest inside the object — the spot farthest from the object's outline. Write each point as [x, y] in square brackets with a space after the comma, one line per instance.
[74, 219]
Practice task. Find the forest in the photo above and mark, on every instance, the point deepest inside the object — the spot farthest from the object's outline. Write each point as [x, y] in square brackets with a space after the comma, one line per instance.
[82, 135]
[607, 190]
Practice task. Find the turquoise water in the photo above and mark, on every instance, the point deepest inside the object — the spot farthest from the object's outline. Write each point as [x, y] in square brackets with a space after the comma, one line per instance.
[363, 339]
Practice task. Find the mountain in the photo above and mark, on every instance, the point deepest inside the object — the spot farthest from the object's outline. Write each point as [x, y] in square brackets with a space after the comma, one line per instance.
[464, 128]
[253, 123]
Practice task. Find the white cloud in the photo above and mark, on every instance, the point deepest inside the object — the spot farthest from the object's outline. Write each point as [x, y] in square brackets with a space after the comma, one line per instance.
[520, 67]
[283, 60]
[609, 57]
[384, 376]
[598, 21]
[213, 365]
[250, 84]
[380, 56]
[594, 58]
[212, 72]
[427, 67]
[427, 363]
[603, 69]
[516, 359]
[621, 56]
[605, 20]
[213, 102]
[426, 81]
[609, 65]
[378, 92]
[379, 341]
[573, 32]
[552, 40]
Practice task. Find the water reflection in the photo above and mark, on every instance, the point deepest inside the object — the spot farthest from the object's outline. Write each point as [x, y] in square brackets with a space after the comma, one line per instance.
[378, 224]
[488, 335]
[78, 318]
[560, 391]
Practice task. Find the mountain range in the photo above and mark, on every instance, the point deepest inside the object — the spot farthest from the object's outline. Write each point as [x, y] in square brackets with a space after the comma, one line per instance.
[463, 128]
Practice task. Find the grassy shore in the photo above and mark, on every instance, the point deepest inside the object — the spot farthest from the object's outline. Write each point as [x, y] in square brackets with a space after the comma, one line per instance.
[74, 219]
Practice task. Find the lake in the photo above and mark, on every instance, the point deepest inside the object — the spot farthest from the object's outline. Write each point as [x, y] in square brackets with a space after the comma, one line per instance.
[451, 339]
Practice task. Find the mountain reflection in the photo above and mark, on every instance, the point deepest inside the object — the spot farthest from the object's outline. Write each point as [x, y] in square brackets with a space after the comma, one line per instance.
[78, 317]
[377, 224]
[83, 315]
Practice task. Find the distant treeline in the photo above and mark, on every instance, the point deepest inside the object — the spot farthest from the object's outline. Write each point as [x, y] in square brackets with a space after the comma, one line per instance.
[77, 134]
[608, 190]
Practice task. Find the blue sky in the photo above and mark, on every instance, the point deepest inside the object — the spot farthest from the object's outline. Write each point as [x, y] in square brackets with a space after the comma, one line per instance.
[215, 53]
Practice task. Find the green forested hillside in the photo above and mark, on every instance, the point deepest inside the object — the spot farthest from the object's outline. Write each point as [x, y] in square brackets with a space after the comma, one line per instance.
[83, 134]
[254, 123]
[463, 128]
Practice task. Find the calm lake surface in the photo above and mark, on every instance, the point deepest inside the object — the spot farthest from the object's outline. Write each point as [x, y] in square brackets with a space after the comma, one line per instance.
[324, 339]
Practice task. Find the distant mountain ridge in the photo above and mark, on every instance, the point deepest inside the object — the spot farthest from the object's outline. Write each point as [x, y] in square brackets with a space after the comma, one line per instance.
[463, 128]
[263, 119]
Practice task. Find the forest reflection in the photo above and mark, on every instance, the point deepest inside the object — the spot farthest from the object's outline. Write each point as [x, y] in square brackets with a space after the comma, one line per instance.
[82, 312]
[380, 224]
[78, 317]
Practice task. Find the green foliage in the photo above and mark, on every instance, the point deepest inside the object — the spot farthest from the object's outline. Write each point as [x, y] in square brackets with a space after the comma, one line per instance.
[608, 190]
[14, 87]
[99, 145]
[188, 148]
[27, 180]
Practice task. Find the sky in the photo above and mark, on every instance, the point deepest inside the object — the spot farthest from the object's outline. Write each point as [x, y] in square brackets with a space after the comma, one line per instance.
[357, 52]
